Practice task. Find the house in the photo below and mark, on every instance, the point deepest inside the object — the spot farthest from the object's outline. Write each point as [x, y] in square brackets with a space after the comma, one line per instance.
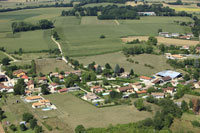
[90, 97]
[61, 77]
[41, 104]
[73, 88]
[145, 79]
[42, 80]
[137, 86]
[30, 99]
[185, 37]
[53, 87]
[174, 57]
[55, 74]
[146, 13]
[30, 85]
[141, 92]
[77, 72]
[157, 81]
[166, 79]
[190, 34]
[163, 34]
[169, 73]
[197, 85]
[3, 78]
[96, 89]
[125, 75]
[185, 47]
[19, 73]
[6, 88]
[128, 89]
[175, 34]
[25, 77]
[169, 90]
[158, 95]
[62, 90]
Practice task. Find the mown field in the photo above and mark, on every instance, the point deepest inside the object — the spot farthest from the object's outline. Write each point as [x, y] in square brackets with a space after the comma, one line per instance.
[81, 35]
[31, 40]
[158, 61]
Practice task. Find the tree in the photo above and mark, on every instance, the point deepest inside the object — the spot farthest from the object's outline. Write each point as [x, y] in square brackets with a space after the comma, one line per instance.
[131, 72]
[114, 94]
[121, 70]
[184, 106]
[102, 36]
[80, 129]
[139, 104]
[27, 117]
[98, 69]
[186, 77]
[45, 90]
[5, 61]
[19, 88]
[152, 40]
[45, 24]
[23, 127]
[190, 104]
[33, 123]
[105, 82]
[117, 69]
[159, 30]
[2, 114]
[20, 51]
[107, 66]
[13, 127]
[38, 129]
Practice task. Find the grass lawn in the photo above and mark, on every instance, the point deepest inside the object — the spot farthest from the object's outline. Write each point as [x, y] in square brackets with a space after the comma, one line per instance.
[49, 65]
[74, 111]
[81, 35]
[158, 61]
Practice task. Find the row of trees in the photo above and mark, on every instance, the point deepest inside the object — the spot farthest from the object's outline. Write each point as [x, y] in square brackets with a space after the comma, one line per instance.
[122, 12]
[196, 28]
[25, 26]
[40, 6]
[178, 2]
[138, 50]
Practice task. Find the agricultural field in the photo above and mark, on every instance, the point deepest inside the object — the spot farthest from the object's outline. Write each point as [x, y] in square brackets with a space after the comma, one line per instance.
[51, 65]
[157, 61]
[80, 36]
[167, 41]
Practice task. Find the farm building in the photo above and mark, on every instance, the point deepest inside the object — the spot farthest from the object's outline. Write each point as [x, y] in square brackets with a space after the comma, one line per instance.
[147, 13]
[171, 74]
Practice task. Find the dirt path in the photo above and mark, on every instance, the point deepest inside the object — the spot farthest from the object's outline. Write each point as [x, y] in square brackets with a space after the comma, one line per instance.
[14, 60]
[117, 22]
[1, 128]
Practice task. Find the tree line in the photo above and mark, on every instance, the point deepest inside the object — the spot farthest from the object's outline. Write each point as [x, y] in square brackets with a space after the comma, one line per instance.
[25, 26]
[34, 7]
[123, 12]
[196, 28]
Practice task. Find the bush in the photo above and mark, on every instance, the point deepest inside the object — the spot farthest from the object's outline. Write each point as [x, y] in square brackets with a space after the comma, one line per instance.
[102, 36]
[195, 123]
[27, 117]
[13, 127]
[80, 129]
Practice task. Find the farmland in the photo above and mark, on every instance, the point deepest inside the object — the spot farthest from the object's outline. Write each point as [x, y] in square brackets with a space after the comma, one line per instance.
[89, 29]
[167, 41]
[158, 61]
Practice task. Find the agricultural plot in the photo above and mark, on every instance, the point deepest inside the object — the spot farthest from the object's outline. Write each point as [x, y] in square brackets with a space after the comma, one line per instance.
[157, 61]
[81, 35]
[167, 41]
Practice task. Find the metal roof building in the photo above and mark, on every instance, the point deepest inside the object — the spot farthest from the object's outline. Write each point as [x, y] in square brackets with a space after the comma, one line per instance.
[169, 73]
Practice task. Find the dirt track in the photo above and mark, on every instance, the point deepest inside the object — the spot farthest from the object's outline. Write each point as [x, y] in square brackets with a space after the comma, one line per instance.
[167, 41]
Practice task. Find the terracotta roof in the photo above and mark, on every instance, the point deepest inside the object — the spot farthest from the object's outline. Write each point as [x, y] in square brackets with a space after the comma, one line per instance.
[18, 72]
[44, 101]
[33, 97]
[24, 77]
[121, 89]
[146, 78]
[140, 92]
[38, 104]
[177, 56]
[63, 90]
[42, 78]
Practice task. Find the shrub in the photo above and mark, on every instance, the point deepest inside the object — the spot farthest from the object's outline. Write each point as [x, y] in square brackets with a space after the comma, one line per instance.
[13, 127]
[102, 36]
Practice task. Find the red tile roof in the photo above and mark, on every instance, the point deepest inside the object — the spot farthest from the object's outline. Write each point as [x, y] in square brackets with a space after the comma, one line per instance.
[63, 90]
[146, 78]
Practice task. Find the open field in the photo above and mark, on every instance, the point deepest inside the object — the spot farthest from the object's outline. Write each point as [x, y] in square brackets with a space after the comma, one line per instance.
[167, 41]
[75, 111]
[32, 56]
[49, 65]
[158, 61]
[89, 29]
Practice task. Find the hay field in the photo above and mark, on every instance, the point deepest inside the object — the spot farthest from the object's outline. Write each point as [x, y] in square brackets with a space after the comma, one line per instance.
[167, 41]
[80, 36]
[158, 61]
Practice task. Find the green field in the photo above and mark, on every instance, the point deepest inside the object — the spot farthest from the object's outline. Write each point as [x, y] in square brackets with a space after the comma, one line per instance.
[158, 61]
[2, 55]
[81, 35]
